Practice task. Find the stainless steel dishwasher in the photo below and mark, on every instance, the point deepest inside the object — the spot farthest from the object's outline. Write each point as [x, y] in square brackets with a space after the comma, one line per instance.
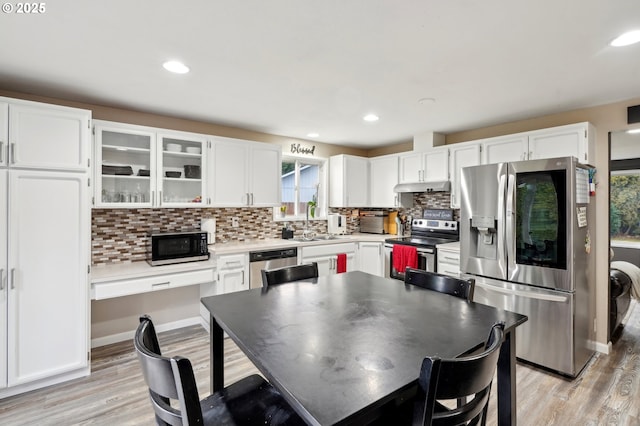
[269, 259]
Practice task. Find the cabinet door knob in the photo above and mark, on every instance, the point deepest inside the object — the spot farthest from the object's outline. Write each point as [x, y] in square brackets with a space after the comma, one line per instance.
[1, 279]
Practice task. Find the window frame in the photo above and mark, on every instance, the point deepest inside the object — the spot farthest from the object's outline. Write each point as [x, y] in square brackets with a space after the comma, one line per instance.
[623, 167]
[323, 195]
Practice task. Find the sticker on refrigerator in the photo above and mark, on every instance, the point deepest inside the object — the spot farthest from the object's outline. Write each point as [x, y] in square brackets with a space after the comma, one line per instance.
[582, 216]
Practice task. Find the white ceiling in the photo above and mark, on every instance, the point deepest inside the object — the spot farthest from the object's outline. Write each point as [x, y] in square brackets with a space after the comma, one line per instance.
[290, 67]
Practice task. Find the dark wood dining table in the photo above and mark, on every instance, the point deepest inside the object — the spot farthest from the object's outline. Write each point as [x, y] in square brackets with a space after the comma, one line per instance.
[341, 347]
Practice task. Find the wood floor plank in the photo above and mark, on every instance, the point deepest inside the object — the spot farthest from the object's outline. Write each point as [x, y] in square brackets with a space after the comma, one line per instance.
[606, 393]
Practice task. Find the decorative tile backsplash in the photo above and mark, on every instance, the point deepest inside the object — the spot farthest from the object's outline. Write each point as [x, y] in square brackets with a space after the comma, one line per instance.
[120, 235]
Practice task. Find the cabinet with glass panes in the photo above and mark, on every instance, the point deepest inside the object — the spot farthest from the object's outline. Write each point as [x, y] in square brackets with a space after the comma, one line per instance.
[147, 167]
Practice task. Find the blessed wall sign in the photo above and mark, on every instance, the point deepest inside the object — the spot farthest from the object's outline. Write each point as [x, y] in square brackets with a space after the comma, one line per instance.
[299, 149]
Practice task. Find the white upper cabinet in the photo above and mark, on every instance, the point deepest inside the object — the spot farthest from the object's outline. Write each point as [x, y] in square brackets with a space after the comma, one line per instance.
[505, 149]
[577, 140]
[43, 136]
[181, 179]
[139, 166]
[410, 167]
[244, 174]
[461, 155]
[348, 181]
[266, 169]
[4, 133]
[383, 176]
[436, 164]
[425, 166]
[125, 171]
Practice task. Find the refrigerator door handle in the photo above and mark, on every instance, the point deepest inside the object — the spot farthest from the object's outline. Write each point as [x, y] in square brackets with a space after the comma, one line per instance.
[527, 294]
[502, 235]
[509, 221]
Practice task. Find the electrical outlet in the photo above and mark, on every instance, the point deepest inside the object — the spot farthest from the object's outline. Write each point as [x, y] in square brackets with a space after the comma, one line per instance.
[235, 222]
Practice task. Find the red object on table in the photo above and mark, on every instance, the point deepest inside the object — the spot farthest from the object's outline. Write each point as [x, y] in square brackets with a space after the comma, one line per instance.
[404, 256]
[341, 265]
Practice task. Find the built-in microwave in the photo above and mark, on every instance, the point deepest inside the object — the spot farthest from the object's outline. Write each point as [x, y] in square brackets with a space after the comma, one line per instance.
[177, 247]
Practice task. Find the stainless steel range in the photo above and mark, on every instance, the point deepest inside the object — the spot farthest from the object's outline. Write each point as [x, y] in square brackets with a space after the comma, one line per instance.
[435, 227]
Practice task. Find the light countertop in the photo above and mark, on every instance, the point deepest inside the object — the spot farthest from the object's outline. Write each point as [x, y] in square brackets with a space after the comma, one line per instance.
[449, 246]
[132, 270]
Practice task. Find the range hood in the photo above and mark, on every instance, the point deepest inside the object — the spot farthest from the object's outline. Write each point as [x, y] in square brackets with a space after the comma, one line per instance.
[438, 186]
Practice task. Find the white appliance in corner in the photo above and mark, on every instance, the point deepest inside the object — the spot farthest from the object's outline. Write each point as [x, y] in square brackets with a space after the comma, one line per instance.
[336, 224]
[209, 226]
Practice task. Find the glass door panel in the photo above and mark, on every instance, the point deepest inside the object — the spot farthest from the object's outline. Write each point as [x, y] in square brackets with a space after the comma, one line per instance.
[181, 171]
[126, 162]
[541, 222]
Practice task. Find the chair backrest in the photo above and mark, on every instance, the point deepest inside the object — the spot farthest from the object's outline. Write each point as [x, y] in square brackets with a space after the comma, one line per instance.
[440, 283]
[167, 378]
[466, 379]
[288, 274]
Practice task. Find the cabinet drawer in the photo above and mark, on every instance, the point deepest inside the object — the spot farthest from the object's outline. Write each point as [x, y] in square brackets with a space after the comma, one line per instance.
[328, 250]
[233, 261]
[451, 270]
[144, 285]
[452, 257]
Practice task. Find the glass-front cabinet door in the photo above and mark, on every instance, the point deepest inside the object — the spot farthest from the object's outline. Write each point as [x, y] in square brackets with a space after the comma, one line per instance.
[125, 163]
[146, 167]
[181, 170]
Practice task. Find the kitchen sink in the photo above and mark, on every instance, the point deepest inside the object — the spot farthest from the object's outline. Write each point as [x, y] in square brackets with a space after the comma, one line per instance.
[321, 237]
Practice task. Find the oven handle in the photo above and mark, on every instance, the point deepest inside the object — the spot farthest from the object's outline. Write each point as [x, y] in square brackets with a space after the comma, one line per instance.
[418, 249]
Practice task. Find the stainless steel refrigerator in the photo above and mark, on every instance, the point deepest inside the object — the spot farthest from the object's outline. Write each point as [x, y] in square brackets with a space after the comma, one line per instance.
[524, 237]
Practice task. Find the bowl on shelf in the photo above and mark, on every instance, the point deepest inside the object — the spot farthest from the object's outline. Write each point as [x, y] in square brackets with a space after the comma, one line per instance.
[194, 149]
[174, 147]
[173, 174]
[192, 172]
[144, 172]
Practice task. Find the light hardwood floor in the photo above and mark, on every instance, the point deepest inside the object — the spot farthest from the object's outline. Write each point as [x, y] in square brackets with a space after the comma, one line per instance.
[606, 393]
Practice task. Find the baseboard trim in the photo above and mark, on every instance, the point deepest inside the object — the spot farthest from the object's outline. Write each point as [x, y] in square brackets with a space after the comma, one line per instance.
[603, 348]
[127, 335]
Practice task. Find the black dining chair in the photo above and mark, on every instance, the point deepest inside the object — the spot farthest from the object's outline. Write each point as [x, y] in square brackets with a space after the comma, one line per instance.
[459, 378]
[452, 391]
[287, 274]
[250, 401]
[440, 283]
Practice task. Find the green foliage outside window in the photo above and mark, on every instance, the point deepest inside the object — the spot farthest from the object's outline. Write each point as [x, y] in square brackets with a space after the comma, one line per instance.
[624, 211]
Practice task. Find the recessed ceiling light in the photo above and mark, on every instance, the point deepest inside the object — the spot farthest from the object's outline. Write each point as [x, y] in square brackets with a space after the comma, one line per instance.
[312, 135]
[633, 131]
[426, 101]
[370, 117]
[176, 67]
[626, 39]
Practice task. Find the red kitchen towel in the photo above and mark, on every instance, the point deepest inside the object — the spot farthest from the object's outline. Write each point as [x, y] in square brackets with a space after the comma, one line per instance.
[404, 256]
[341, 265]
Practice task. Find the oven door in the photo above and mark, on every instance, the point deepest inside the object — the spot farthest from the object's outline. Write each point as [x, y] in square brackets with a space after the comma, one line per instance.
[426, 261]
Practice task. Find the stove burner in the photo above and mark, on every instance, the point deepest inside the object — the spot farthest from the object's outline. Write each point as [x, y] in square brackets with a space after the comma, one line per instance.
[419, 242]
[428, 233]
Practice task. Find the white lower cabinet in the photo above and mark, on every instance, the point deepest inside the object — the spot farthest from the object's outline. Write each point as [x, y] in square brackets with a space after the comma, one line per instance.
[127, 287]
[44, 277]
[326, 256]
[371, 258]
[448, 261]
[233, 272]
